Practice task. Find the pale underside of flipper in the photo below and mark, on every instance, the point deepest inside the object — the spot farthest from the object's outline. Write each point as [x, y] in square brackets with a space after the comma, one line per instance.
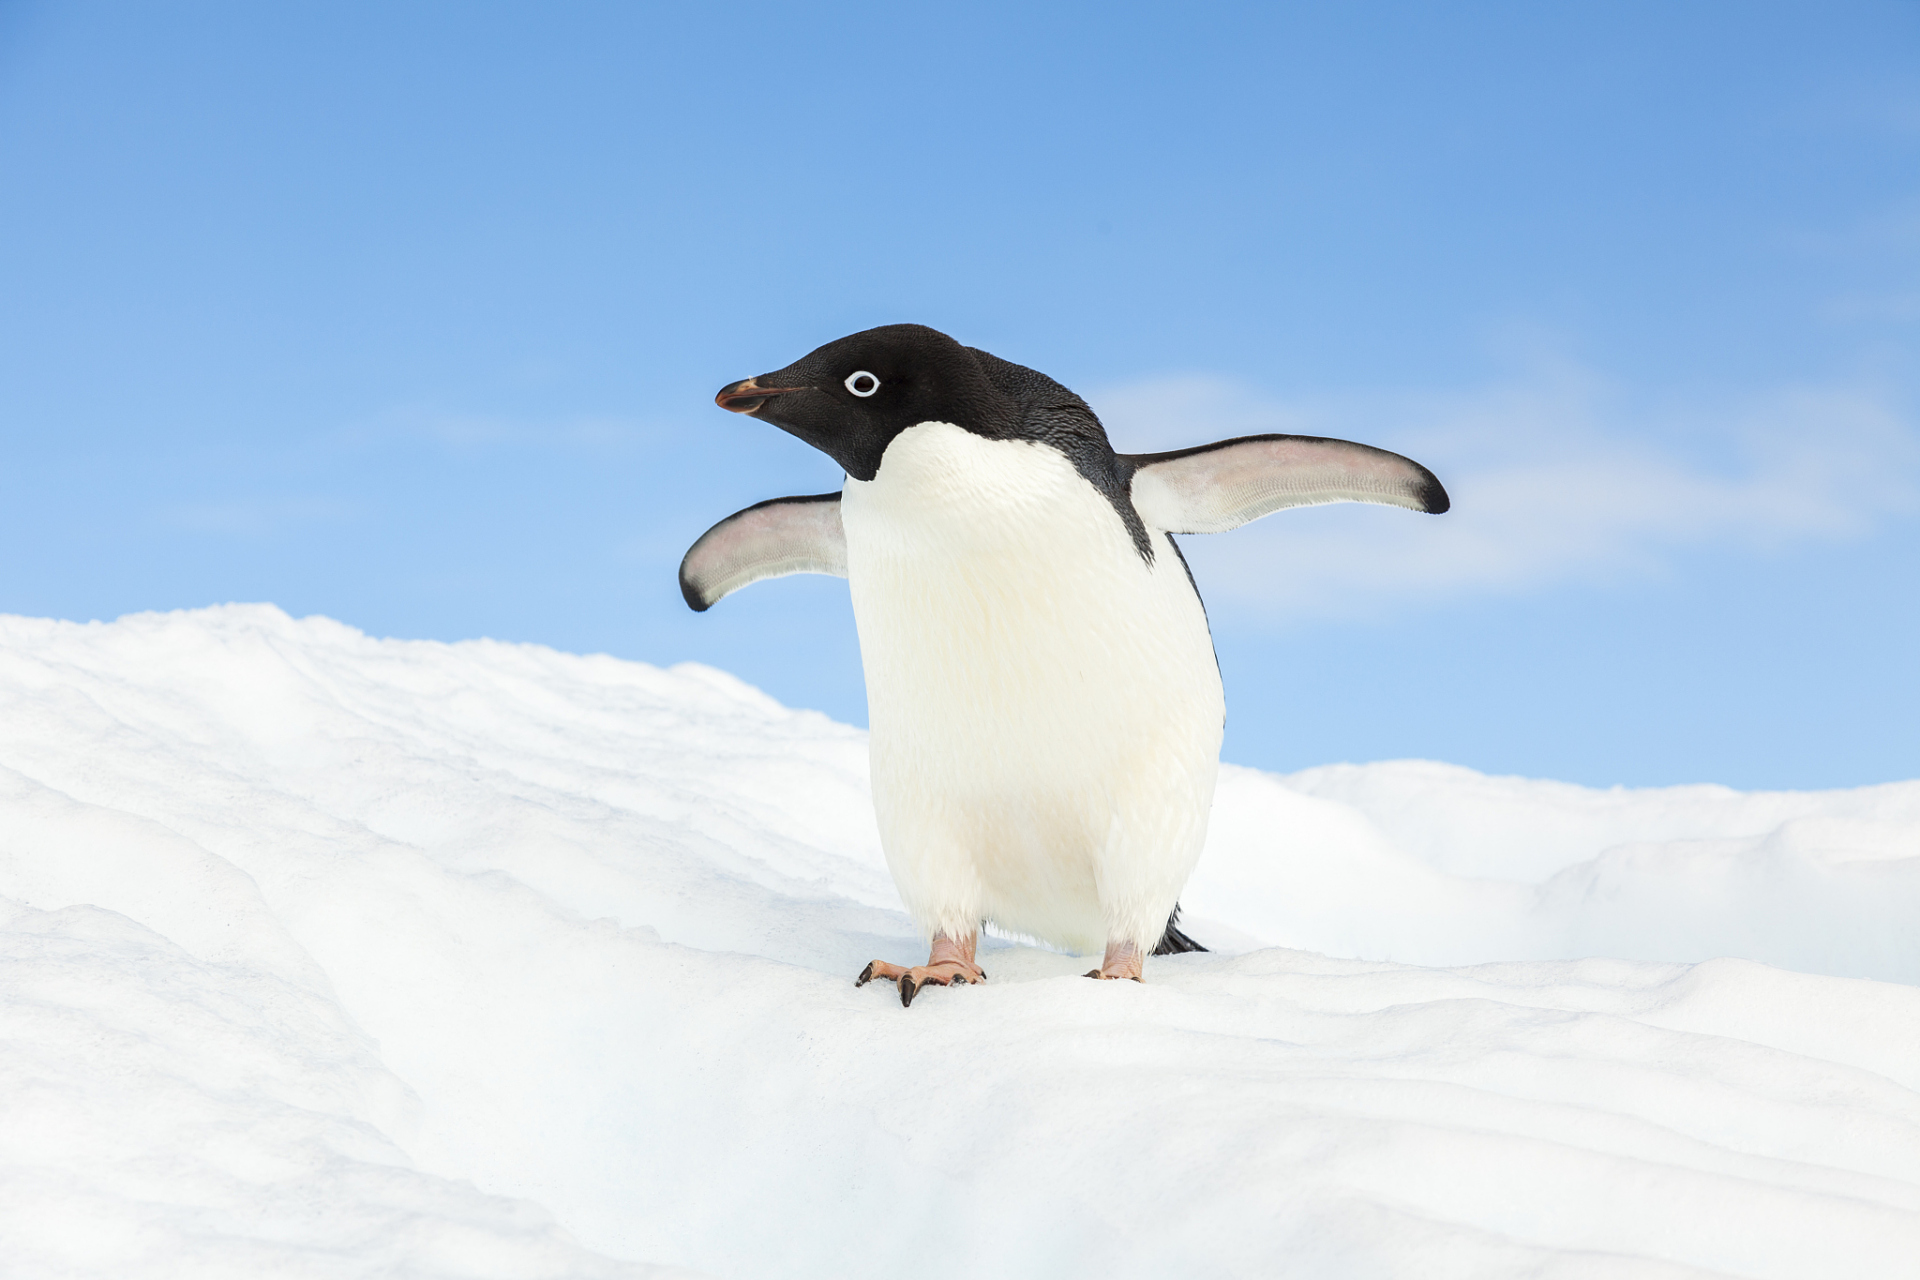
[1217, 487]
[768, 540]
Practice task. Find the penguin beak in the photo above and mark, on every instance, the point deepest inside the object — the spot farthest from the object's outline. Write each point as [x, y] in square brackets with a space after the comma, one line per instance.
[748, 395]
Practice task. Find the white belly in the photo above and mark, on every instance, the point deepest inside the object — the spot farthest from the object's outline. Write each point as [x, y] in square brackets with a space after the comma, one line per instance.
[1045, 707]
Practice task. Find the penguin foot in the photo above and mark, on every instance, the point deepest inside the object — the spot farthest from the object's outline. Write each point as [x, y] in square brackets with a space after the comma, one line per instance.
[950, 965]
[1095, 973]
[910, 981]
[1123, 960]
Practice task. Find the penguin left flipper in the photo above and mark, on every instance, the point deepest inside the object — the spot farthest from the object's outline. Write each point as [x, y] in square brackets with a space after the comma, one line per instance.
[1221, 486]
[769, 539]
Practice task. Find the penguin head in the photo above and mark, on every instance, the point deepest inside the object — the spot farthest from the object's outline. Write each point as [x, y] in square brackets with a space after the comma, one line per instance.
[850, 398]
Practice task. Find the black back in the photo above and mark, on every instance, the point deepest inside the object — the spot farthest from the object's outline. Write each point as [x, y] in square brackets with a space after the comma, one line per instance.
[1055, 416]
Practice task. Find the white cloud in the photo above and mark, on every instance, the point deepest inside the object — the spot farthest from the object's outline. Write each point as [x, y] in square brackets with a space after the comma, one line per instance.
[1551, 479]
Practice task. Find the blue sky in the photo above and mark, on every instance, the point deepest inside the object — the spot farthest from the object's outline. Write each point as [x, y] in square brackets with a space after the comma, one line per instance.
[412, 316]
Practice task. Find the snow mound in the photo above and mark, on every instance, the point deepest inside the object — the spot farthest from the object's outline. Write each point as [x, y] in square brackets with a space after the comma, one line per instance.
[1438, 865]
[329, 956]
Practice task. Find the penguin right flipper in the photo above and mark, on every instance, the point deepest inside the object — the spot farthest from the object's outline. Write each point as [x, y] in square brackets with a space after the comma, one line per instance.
[1221, 486]
[769, 539]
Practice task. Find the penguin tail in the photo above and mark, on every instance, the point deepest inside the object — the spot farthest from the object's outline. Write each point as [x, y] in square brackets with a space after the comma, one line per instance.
[1173, 940]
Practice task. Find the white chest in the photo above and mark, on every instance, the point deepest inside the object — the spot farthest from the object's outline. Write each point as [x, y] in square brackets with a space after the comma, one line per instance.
[990, 573]
[1044, 705]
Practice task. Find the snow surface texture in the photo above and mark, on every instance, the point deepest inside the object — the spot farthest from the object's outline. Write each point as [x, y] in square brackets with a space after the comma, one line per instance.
[332, 956]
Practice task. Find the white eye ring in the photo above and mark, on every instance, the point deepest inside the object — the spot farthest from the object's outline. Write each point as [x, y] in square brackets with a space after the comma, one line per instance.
[854, 378]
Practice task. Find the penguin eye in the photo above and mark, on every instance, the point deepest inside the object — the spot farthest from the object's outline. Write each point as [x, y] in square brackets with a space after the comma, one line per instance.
[862, 383]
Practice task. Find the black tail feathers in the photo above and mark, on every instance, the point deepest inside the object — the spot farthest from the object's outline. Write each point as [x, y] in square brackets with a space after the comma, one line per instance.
[1173, 940]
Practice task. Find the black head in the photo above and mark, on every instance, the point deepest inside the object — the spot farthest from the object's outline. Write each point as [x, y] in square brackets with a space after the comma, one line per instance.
[850, 398]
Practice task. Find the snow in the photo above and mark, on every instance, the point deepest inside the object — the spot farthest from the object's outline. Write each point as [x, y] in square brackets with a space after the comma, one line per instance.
[1438, 865]
[333, 956]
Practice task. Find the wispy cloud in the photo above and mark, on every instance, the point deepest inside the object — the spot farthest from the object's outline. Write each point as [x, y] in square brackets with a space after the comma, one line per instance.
[472, 434]
[1552, 478]
[475, 431]
[1888, 231]
[1885, 308]
[253, 517]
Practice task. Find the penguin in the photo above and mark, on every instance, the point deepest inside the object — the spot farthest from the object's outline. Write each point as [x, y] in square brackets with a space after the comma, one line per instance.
[1045, 706]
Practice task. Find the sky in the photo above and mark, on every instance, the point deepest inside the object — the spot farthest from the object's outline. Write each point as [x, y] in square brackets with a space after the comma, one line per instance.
[412, 316]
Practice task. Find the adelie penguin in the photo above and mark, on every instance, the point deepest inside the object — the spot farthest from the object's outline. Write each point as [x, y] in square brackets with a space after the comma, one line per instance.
[1044, 702]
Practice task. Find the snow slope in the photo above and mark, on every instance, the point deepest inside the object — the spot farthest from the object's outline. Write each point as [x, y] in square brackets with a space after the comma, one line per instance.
[330, 956]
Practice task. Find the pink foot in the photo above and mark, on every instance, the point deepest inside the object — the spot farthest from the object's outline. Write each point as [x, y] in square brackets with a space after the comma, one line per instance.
[1123, 960]
[950, 965]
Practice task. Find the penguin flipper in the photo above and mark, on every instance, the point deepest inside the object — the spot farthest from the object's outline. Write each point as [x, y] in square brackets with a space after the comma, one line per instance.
[769, 539]
[1221, 486]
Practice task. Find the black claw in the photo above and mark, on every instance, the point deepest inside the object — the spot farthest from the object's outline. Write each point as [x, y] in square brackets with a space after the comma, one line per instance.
[983, 975]
[866, 975]
[907, 991]
[1091, 973]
